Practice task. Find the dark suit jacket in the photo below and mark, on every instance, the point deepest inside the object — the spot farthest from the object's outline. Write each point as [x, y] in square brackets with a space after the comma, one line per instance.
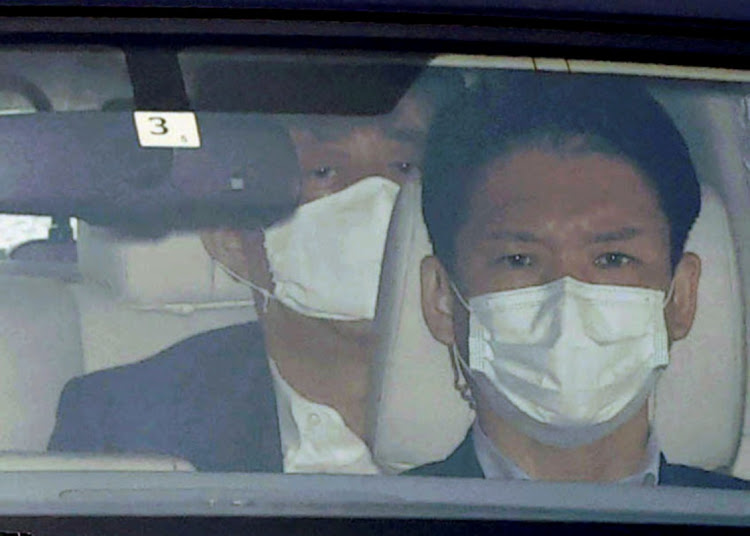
[464, 463]
[208, 399]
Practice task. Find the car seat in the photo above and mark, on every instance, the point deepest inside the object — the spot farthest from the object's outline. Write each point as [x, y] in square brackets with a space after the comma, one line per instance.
[698, 407]
[40, 350]
[139, 296]
[714, 127]
[415, 413]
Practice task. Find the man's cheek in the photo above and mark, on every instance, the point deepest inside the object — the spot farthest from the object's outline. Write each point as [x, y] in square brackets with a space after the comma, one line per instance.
[257, 260]
[461, 328]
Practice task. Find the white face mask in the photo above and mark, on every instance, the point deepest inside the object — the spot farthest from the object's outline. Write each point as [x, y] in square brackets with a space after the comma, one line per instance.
[567, 362]
[325, 259]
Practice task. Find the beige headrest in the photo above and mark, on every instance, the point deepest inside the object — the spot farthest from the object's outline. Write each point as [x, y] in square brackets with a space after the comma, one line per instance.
[175, 270]
[416, 415]
[699, 400]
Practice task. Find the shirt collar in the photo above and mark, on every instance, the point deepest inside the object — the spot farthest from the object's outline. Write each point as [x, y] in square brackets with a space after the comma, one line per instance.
[496, 466]
[314, 437]
[288, 429]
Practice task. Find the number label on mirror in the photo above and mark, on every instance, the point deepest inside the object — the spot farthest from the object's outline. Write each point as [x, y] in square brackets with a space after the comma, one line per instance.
[167, 129]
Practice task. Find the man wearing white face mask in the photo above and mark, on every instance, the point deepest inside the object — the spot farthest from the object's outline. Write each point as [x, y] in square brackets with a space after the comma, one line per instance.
[559, 212]
[316, 274]
[287, 393]
[315, 293]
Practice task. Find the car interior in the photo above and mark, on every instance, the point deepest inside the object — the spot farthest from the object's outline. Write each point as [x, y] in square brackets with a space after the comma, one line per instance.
[131, 276]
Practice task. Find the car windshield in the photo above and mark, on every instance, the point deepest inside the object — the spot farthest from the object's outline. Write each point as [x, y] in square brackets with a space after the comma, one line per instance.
[310, 283]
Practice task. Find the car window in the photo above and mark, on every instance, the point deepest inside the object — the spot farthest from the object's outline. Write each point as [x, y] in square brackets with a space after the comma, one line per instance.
[20, 229]
[285, 281]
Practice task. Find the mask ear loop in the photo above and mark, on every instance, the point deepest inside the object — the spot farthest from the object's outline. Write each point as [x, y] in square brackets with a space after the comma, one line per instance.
[670, 294]
[267, 296]
[651, 407]
[458, 364]
[460, 297]
[459, 383]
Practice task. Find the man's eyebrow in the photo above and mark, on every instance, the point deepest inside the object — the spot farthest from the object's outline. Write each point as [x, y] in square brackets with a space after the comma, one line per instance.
[626, 233]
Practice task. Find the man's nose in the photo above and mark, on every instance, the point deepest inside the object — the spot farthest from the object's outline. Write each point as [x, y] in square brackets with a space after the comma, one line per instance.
[570, 263]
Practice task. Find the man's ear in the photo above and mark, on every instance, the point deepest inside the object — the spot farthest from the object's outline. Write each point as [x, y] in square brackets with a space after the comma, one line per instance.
[227, 246]
[437, 300]
[680, 311]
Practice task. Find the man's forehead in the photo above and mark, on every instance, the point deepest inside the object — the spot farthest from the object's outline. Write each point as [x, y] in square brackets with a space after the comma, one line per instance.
[526, 175]
[534, 185]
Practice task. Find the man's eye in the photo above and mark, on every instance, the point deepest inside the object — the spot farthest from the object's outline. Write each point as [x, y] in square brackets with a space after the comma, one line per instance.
[517, 260]
[613, 260]
[323, 173]
[407, 169]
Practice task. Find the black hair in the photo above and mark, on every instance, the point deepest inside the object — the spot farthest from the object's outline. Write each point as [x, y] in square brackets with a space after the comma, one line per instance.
[603, 115]
[439, 86]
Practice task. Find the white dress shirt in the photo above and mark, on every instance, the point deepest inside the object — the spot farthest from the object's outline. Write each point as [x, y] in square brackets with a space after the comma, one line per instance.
[495, 465]
[314, 437]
